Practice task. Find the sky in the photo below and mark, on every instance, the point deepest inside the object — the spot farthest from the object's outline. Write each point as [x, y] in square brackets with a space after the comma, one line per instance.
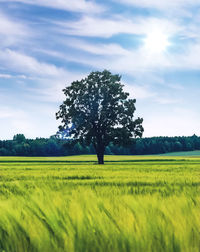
[154, 45]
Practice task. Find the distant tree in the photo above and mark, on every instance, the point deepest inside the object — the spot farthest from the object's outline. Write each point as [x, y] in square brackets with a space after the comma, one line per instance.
[97, 110]
[139, 147]
[78, 149]
[21, 149]
[177, 146]
[166, 146]
[19, 138]
[55, 146]
[3, 152]
[52, 148]
[196, 142]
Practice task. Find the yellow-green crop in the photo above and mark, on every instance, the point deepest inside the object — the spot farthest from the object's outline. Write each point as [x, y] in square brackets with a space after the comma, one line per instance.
[73, 204]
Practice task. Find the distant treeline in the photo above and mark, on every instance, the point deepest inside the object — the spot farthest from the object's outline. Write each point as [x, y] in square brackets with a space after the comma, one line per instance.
[20, 146]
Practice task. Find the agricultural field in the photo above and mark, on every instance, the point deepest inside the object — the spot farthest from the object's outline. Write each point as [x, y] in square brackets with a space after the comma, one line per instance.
[132, 203]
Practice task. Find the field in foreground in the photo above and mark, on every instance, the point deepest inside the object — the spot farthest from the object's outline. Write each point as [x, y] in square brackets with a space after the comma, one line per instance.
[73, 204]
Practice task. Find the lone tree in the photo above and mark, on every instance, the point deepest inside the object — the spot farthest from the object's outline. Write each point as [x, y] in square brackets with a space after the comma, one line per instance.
[97, 110]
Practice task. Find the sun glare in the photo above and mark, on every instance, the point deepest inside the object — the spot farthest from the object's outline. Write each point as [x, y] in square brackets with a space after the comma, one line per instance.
[156, 42]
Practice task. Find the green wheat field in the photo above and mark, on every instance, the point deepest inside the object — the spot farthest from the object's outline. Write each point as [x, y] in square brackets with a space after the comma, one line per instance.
[132, 203]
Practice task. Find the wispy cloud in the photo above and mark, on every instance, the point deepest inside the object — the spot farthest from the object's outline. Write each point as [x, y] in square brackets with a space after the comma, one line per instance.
[189, 59]
[68, 5]
[25, 64]
[50, 90]
[97, 48]
[44, 49]
[10, 76]
[102, 27]
[5, 76]
[139, 91]
[134, 61]
[12, 31]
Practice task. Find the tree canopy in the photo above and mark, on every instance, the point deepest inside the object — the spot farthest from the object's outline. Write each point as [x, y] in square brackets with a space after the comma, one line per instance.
[96, 110]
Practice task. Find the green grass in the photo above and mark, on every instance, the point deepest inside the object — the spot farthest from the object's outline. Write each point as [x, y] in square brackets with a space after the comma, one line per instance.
[71, 204]
[182, 153]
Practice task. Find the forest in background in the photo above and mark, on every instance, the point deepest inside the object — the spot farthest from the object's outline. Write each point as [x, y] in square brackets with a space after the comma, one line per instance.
[53, 146]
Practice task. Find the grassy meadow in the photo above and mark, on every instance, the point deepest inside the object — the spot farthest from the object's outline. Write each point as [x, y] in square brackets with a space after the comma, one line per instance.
[183, 153]
[132, 203]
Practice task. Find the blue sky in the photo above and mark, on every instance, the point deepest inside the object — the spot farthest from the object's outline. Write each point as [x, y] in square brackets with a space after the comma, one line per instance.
[154, 45]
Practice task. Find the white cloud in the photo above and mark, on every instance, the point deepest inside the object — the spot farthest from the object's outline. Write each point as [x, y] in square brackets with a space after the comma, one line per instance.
[5, 76]
[68, 5]
[137, 61]
[101, 27]
[189, 59]
[50, 90]
[9, 76]
[98, 48]
[12, 31]
[25, 64]
[44, 77]
[139, 91]
[144, 92]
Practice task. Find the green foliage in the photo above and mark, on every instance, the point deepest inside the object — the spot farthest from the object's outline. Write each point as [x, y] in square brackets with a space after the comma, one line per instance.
[73, 204]
[60, 147]
[96, 110]
[19, 138]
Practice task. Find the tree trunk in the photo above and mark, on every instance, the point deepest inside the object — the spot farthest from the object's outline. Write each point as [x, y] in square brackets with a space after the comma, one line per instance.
[100, 156]
[100, 149]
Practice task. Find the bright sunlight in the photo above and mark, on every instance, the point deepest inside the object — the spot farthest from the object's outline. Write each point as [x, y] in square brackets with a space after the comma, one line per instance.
[156, 42]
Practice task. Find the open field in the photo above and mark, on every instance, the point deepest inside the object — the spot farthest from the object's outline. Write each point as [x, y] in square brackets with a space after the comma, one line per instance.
[71, 204]
[183, 153]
